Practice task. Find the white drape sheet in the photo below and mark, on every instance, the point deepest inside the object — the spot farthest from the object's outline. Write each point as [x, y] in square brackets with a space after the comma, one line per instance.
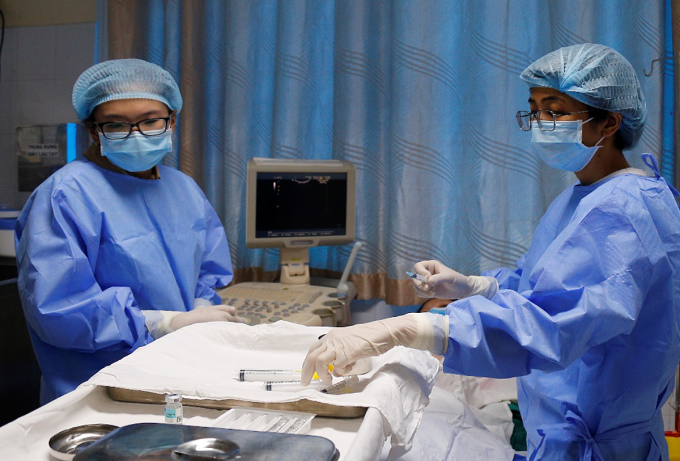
[198, 361]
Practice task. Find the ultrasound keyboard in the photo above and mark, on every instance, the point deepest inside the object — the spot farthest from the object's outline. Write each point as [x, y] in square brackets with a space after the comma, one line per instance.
[303, 304]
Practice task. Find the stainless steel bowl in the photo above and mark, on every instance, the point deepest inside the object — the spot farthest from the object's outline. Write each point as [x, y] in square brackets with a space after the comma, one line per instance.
[68, 443]
[207, 449]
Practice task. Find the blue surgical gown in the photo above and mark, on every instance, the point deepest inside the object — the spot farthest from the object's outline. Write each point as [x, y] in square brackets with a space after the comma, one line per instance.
[94, 248]
[588, 320]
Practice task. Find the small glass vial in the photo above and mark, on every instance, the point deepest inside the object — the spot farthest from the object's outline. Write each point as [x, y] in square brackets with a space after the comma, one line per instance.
[174, 414]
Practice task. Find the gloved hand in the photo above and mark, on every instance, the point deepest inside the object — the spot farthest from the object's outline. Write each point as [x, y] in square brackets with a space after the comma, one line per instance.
[445, 283]
[344, 347]
[160, 323]
[220, 313]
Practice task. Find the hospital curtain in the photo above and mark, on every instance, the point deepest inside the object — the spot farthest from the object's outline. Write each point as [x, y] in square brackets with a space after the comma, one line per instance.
[675, 54]
[419, 95]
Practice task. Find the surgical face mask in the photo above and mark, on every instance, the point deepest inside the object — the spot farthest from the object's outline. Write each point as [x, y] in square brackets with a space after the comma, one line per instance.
[563, 148]
[137, 152]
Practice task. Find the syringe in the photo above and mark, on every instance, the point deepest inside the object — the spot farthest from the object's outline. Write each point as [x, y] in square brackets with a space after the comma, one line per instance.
[416, 276]
[270, 375]
[290, 386]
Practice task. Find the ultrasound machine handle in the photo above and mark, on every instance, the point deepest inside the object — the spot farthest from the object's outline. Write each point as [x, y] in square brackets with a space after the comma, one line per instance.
[342, 286]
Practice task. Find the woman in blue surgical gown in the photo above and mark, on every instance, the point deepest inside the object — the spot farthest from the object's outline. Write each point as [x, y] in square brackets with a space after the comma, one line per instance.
[115, 250]
[588, 320]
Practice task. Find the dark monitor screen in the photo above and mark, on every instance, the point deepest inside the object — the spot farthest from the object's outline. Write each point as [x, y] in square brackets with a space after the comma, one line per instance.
[300, 205]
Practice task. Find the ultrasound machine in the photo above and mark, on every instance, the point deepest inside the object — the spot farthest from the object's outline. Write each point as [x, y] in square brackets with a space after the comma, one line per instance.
[294, 205]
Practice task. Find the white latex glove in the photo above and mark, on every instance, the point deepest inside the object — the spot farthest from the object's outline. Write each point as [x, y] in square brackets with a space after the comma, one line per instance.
[160, 323]
[345, 347]
[220, 313]
[445, 283]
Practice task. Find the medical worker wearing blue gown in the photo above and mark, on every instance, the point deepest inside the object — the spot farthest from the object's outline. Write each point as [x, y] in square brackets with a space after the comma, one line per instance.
[115, 250]
[588, 320]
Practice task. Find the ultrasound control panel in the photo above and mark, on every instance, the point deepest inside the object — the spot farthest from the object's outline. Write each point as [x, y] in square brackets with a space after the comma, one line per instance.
[311, 305]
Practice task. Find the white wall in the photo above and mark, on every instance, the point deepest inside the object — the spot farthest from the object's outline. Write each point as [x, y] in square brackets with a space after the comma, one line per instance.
[39, 66]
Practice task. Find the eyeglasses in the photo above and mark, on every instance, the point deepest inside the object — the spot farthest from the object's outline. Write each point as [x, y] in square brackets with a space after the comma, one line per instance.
[544, 118]
[121, 130]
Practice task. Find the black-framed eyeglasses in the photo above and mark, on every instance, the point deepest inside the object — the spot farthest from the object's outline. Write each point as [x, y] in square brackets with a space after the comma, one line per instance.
[545, 119]
[121, 130]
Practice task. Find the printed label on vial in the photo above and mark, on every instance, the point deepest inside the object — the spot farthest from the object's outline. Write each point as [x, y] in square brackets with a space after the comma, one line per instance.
[174, 416]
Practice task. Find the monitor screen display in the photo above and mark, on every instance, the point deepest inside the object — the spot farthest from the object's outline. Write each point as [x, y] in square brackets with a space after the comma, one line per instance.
[300, 205]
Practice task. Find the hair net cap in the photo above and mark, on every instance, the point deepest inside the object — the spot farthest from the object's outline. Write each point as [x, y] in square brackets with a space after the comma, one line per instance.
[124, 79]
[597, 76]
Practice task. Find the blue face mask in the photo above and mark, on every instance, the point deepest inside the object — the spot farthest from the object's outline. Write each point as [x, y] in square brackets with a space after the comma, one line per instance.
[563, 148]
[136, 152]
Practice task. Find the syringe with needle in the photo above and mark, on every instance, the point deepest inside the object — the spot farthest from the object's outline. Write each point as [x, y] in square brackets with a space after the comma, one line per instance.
[416, 276]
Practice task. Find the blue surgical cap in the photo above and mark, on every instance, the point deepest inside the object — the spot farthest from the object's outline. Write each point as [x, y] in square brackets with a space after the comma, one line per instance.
[597, 76]
[124, 79]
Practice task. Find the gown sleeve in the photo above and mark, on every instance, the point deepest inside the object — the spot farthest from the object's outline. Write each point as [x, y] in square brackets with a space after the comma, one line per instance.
[508, 279]
[588, 287]
[62, 300]
[216, 269]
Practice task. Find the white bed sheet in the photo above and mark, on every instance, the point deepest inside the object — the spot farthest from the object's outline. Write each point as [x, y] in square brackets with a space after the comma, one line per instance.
[199, 361]
[26, 439]
[448, 431]
[461, 421]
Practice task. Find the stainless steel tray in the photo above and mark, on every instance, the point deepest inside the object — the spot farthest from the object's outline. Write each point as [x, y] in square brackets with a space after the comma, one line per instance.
[182, 443]
[304, 405]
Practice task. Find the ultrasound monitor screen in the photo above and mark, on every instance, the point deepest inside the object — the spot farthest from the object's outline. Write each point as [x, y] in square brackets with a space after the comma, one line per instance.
[300, 205]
